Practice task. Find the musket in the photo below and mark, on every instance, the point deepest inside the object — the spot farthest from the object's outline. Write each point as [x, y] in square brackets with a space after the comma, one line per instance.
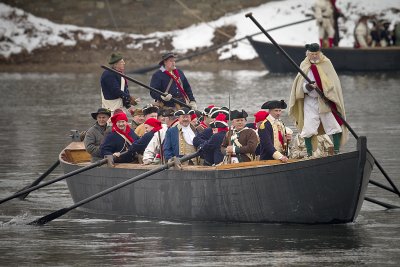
[229, 156]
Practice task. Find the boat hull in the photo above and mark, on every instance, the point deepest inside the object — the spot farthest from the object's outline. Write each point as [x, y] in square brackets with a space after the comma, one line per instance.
[326, 190]
[343, 59]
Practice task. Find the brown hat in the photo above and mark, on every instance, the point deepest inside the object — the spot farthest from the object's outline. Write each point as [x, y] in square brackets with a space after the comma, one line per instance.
[165, 57]
[115, 57]
[136, 112]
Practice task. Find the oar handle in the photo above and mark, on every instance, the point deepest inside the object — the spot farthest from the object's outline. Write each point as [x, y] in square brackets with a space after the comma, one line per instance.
[45, 219]
[145, 86]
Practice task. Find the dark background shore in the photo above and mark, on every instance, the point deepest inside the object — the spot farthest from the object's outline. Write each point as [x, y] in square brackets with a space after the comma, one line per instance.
[130, 16]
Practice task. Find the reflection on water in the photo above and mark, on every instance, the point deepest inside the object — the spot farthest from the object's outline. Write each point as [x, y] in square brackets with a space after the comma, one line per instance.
[39, 110]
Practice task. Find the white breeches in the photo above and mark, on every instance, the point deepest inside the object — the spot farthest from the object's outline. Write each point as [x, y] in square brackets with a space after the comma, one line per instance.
[312, 119]
[327, 27]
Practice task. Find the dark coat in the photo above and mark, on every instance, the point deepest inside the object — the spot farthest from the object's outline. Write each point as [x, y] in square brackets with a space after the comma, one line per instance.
[114, 142]
[266, 135]
[160, 81]
[111, 88]
[249, 141]
[212, 149]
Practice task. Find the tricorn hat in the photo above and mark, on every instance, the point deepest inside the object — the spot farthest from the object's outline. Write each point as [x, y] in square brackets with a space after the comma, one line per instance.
[165, 57]
[220, 121]
[274, 104]
[136, 112]
[236, 114]
[184, 111]
[314, 47]
[148, 109]
[105, 111]
[168, 112]
[217, 111]
[115, 57]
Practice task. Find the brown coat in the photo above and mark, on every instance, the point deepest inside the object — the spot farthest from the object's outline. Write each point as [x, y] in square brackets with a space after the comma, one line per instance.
[249, 141]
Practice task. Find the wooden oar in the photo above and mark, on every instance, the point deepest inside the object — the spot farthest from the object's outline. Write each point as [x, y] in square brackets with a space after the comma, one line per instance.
[215, 47]
[48, 218]
[28, 190]
[38, 180]
[380, 203]
[321, 94]
[146, 86]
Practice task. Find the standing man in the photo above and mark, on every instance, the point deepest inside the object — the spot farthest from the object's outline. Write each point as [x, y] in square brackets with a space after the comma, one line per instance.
[324, 14]
[179, 139]
[114, 88]
[170, 80]
[362, 33]
[95, 135]
[308, 109]
[274, 136]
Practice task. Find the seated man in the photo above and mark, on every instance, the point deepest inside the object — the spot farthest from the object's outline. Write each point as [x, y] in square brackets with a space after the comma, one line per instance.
[119, 140]
[212, 148]
[179, 140]
[95, 135]
[241, 144]
[137, 118]
[154, 153]
[149, 111]
[273, 133]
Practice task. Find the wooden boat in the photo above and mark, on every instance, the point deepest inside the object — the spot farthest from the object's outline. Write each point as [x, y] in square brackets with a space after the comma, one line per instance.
[343, 58]
[323, 190]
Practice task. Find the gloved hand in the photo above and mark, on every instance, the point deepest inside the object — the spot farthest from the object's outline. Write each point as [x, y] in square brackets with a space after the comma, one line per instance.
[166, 98]
[310, 87]
[193, 105]
[133, 101]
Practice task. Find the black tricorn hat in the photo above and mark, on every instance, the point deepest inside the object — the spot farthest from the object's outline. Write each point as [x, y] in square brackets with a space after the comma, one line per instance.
[184, 111]
[314, 47]
[168, 112]
[165, 57]
[236, 114]
[274, 104]
[215, 113]
[148, 109]
[105, 111]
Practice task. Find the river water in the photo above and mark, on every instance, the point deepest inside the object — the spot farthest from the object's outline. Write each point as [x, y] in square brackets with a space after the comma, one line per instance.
[38, 111]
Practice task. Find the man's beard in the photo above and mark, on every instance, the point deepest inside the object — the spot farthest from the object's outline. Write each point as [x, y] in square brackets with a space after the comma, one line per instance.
[315, 61]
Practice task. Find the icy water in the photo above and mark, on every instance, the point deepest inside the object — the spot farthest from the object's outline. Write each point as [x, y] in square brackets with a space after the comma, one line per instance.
[38, 111]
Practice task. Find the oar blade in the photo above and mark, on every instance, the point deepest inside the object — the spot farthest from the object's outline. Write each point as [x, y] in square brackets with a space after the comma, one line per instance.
[48, 218]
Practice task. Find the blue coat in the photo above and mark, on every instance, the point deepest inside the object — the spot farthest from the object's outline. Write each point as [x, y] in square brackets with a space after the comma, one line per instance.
[114, 142]
[266, 136]
[212, 149]
[111, 88]
[171, 142]
[160, 81]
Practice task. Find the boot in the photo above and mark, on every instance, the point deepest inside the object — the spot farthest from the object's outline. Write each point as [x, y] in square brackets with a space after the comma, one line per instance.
[307, 141]
[336, 142]
[330, 40]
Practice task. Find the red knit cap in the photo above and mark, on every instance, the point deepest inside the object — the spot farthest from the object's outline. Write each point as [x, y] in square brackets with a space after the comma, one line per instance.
[221, 117]
[119, 117]
[260, 116]
[156, 124]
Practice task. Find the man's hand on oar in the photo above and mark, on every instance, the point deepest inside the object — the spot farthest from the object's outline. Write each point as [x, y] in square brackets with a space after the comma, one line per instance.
[48, 218]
